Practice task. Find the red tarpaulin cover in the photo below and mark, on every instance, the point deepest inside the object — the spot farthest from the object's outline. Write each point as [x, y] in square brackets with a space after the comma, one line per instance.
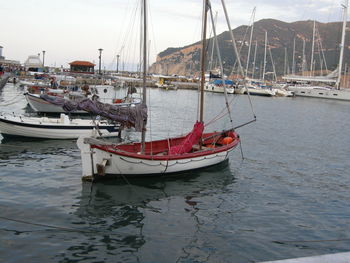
[192, 138]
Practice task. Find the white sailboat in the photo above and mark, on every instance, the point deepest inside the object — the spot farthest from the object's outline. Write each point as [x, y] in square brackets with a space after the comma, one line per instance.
[193, 151]
[322, 91]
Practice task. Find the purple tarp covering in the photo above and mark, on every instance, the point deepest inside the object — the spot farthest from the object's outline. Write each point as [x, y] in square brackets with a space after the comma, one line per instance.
[129, 116]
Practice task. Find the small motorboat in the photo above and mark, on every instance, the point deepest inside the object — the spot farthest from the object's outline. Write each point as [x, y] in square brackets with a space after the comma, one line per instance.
[55, 128]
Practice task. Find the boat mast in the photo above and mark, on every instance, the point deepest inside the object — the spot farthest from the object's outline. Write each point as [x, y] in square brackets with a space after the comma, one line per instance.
[285, 62]
[273, 64]
[204, 36]
[345, 6]
[144, 98]
[293, 63]
[312, 49]
[241, 70]
[303, 65]
[264, 70]
[212, 47]
[254, 61]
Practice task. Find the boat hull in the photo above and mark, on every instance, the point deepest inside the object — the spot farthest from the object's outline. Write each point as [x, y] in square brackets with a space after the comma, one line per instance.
[260, 92]
[219, 89]
[41, 128]
[99, 161]
[121, 164]
[42, 106]
[323, 93]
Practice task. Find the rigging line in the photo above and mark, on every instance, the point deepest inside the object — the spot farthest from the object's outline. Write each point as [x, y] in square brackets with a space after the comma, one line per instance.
[240, 146]
[321, 47]
[221, 65]
[273, 64]
[217, 119]
[11, 145]
[48, 226]
[111, 233]
[150, 119]
[221, 112]
[131, 22]
[150, 18]
[241, 47]
[126, 13]
[125, 179]
[129, 36]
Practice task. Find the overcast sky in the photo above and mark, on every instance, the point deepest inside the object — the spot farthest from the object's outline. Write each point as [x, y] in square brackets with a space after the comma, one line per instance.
[71, 30]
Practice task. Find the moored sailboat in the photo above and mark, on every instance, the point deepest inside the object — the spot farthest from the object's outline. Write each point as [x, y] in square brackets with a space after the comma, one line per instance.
[317, 90]
[193, 151]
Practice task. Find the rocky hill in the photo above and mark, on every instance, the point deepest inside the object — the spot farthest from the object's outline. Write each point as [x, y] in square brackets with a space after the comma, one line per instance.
[281, 35]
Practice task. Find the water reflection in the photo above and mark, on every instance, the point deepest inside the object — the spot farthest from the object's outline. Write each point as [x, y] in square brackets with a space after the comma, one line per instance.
[127, 215]
[14, 147]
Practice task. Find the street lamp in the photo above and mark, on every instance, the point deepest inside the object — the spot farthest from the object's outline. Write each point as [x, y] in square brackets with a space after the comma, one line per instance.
[99, 64]
[44, 58]
[117, 63]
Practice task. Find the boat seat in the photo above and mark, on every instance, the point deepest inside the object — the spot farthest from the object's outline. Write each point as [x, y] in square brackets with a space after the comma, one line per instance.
[196, 147]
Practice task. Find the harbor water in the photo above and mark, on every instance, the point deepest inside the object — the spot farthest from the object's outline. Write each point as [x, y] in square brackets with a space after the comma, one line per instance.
[288, 197]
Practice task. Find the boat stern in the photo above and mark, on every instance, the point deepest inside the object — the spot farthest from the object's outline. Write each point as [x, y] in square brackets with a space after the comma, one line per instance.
[86, 159]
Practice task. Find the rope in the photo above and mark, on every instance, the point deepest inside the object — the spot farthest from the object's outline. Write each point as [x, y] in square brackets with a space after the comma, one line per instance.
[218, 117]
[167, 164]
[46, 225]
[240, 146]
[109, 232]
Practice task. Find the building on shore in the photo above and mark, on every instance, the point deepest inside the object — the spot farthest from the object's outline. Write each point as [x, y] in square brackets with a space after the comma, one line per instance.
[6, 63]
[34, 64]
[82, 67]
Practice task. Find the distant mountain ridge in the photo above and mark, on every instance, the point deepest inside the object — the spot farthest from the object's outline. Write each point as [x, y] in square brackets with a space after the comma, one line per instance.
[281, 35]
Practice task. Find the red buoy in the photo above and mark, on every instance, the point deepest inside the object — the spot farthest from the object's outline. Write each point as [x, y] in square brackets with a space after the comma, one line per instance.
[227, 140]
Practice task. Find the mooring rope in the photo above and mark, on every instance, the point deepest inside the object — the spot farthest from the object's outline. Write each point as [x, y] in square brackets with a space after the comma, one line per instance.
[46, 225]
[78, 230]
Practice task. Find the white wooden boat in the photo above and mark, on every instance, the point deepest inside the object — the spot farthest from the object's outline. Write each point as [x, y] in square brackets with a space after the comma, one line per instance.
[55, 128]
[127, 159]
